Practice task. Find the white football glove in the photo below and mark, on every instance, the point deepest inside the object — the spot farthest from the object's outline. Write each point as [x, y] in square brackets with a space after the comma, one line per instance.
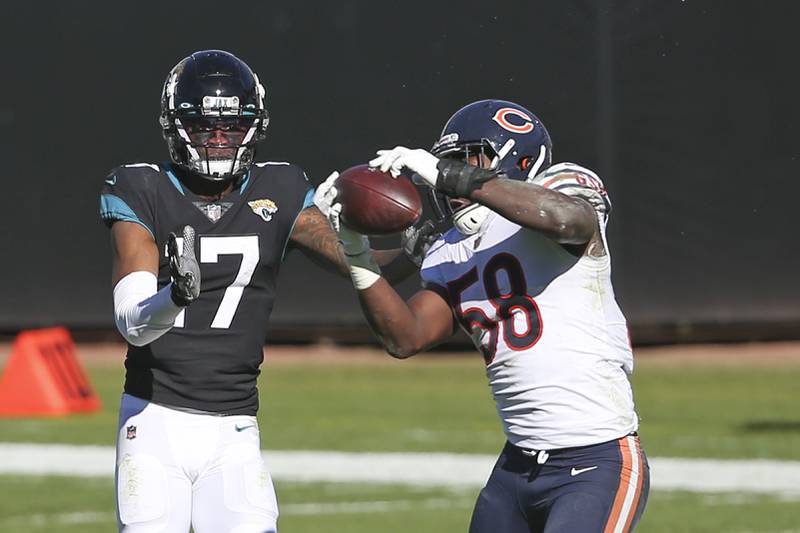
[325, 195]
[420, 161]
[364, 271]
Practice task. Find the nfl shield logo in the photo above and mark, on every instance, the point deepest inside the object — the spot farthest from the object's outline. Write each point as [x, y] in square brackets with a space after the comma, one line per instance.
[214, 212]
[131, 432]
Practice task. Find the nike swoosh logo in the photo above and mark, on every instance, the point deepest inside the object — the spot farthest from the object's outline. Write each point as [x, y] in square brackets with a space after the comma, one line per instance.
[576, 471]
[112, 180]
[242, 428]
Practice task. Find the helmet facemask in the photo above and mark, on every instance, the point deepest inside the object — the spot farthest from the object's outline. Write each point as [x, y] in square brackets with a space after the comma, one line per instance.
[217, 147]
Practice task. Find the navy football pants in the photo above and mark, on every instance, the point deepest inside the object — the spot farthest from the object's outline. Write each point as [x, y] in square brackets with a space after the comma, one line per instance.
[600, 488]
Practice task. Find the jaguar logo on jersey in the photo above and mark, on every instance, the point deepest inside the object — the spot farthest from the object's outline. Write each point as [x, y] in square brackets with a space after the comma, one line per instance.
[264, 208]
[501, 117]
[131, 432]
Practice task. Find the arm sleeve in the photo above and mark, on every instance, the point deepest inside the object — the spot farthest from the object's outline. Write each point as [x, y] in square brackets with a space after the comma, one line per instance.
[577, 181]
[128, 194]
[141, 312]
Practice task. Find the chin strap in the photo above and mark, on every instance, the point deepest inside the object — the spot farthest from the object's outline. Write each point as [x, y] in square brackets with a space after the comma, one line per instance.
[458, 179]
[470, 220]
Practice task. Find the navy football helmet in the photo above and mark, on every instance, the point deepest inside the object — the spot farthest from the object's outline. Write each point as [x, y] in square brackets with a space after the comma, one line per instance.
[512, 140]
[213, 114]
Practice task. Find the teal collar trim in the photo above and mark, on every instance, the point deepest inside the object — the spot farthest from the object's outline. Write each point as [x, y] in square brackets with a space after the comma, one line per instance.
[175, 181]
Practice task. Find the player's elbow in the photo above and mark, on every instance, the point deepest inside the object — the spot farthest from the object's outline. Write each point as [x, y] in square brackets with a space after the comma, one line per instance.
[128, 331]
[401, 350]
[135, 336]
[570, 234]
[138, 328]
[399, 353]
[136, 340]
[570, 226]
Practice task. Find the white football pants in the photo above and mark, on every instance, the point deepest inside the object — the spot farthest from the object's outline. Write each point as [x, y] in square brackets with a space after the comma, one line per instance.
[176, 469]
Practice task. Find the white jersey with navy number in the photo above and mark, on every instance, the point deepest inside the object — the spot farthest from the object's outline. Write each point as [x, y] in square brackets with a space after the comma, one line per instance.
[546, 321]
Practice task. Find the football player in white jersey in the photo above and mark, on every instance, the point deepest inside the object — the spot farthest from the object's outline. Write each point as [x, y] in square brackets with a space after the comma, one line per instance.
[526, 272]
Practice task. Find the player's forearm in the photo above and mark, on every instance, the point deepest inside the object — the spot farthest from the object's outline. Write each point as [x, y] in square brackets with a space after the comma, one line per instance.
[391, 320]
[395, 265]
[564, 219]
[143, 314]
[386, 257]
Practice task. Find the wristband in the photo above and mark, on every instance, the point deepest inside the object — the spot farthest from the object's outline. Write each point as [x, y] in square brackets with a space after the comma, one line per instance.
[364, 271]
[458, 179]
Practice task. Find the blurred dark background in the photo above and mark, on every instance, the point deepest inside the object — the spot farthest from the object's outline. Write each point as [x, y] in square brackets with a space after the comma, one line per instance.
[687, 109]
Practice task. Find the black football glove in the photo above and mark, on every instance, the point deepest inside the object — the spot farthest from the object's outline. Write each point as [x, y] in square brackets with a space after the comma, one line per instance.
[183, 269]
[458, 179]
[417, 241]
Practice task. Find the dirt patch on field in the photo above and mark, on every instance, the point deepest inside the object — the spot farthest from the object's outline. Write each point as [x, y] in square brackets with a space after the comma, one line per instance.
[740, 354]
[113, 353]
[743, 354]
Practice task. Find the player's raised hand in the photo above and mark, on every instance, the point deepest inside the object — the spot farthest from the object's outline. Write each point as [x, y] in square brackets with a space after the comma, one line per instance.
[326, 201]
[420, 161]
[353, 243]
[325, 195]
[183, 268]
[363, 270]
[416, 241]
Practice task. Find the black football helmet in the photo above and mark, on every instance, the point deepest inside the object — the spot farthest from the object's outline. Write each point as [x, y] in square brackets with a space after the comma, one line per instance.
[511, 138]
[213, 114]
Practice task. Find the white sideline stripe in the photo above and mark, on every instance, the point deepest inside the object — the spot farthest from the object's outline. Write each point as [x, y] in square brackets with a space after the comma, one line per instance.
[45, 519]
[309, 508]
[379, 506]
[444, 469]
[425, 469]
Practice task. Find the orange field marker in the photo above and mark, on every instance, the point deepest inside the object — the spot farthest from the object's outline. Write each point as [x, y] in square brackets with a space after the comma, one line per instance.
[44, 378]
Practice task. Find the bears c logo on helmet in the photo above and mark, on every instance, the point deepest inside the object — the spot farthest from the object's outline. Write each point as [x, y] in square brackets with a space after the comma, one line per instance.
[502, 113]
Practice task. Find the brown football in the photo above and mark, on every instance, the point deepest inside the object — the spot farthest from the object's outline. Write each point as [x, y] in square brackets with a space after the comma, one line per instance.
[375, 203]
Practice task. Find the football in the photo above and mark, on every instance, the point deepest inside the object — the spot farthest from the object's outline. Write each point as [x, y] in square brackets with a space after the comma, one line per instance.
[375, 203]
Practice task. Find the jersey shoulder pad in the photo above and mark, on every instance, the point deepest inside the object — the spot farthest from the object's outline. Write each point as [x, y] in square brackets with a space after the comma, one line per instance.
[289, 177]
[134, 176]
[128, 194]
[263, 164]
[281, 169]
[575, 180]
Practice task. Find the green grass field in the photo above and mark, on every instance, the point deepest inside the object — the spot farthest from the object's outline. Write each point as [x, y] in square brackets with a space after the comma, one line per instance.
[441, 404]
